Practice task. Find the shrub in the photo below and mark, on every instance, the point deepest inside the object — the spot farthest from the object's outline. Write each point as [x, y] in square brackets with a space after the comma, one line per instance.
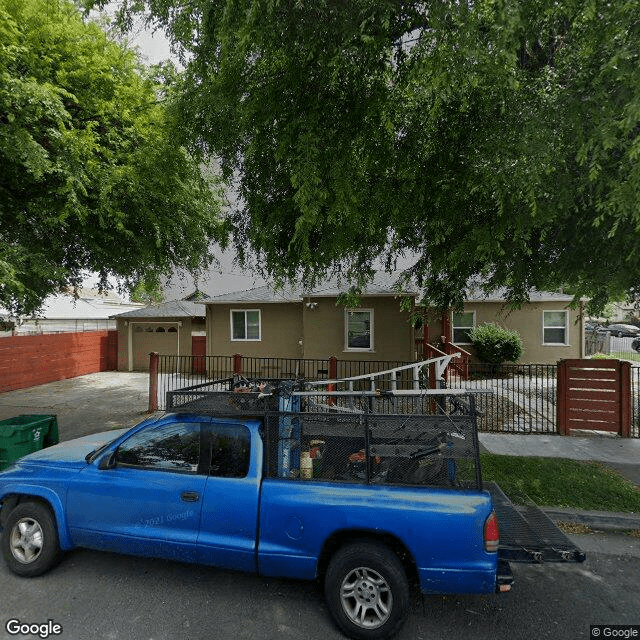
[495, 345]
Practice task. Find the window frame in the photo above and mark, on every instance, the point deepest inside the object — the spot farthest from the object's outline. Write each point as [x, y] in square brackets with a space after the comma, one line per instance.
[545, 327]
[454, 326]
[368, 349]
[245, 311]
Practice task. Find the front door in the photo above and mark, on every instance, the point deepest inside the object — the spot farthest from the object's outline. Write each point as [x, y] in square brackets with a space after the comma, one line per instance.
[149, 503]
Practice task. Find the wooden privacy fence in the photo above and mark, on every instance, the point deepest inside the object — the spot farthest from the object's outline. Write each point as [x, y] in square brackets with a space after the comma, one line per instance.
[594, 395]
[26, 361]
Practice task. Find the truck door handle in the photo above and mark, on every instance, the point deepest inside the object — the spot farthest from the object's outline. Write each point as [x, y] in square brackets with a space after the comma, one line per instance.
[190, 496]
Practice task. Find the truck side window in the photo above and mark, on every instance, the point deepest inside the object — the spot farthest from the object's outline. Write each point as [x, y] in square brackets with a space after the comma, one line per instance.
[169, 447]
[230, 451]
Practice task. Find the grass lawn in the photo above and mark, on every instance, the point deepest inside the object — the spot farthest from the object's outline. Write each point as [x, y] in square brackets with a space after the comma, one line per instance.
[557, 482]
[627, 355]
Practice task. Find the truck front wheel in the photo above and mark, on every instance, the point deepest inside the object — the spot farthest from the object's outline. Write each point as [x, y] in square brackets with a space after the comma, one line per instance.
[367, 591]
[30, 539]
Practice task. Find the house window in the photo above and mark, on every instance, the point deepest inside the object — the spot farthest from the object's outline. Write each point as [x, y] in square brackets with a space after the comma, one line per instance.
[554, 329]
[358, 327]
[461, 325]
[245, 324]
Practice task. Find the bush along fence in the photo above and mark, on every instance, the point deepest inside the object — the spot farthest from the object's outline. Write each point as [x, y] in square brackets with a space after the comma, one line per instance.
[523, 398]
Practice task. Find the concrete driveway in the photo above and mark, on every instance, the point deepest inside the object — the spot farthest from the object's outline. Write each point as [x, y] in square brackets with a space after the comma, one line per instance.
[86, 404]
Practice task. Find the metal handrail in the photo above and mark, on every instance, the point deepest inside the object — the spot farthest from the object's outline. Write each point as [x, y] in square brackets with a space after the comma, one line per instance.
[441, 363]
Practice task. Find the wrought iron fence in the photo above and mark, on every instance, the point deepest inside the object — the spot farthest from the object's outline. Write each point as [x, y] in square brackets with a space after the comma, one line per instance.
[523, 398]
[177, 372]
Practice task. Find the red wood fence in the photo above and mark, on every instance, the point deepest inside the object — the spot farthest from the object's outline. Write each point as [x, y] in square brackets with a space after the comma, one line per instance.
[26, 361]
[594, 395]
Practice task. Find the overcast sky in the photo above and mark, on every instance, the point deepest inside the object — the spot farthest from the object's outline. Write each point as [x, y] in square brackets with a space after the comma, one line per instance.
[154, 46]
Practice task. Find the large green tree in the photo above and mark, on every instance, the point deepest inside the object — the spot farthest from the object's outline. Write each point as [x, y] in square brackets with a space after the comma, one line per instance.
[91, 176]
[496, 140]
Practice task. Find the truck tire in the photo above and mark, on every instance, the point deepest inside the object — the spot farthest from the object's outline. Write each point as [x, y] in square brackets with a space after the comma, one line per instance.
[30, 539]
[367, 591]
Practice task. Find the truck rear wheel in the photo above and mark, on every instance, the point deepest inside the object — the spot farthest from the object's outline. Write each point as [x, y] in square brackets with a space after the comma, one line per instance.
[30, 539]
[367, 591]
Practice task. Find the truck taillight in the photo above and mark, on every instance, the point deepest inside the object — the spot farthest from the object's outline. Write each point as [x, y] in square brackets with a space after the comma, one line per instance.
[491, 533]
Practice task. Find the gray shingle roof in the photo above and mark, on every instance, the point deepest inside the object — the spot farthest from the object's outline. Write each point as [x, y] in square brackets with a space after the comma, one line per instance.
[499, 295]
[382, 285]
[266, 294]
[174, 309]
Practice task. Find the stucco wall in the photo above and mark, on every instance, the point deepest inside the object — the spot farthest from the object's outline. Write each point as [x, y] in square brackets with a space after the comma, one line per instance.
[320, 327]
[320, 324]
[528, 321]
[281, 326]
[324, 330]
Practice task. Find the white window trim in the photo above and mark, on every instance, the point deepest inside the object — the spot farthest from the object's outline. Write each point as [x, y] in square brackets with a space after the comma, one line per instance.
[369, 349]
[245, 311]
[566, 328]
[454, 327]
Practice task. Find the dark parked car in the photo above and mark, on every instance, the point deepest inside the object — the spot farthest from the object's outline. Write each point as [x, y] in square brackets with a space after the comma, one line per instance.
[623, 330]
[592, 327]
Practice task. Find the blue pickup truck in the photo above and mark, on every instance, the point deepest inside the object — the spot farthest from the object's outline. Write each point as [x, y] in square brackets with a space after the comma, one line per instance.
[371, 493]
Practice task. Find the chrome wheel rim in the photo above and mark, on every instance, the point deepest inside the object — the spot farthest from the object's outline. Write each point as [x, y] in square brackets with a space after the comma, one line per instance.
[26, 540]
[366, 598]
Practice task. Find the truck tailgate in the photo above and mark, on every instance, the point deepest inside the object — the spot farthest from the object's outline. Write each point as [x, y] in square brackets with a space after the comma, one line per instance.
[527, 534]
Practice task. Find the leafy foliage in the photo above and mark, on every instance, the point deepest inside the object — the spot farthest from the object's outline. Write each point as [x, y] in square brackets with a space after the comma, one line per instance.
[91, 176]
[497, 139]
[495, 344]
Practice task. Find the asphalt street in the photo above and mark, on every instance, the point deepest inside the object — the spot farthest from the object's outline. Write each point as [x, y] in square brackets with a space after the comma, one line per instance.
[101, 596]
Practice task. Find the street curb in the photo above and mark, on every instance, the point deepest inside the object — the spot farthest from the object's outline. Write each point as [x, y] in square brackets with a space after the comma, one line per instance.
[600, 520]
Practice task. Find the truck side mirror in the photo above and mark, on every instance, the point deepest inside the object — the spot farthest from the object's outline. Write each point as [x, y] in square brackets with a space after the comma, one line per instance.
[108, 462]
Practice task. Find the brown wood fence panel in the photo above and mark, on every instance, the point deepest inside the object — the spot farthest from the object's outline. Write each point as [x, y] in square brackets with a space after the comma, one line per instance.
[594, 395]
[27, 361]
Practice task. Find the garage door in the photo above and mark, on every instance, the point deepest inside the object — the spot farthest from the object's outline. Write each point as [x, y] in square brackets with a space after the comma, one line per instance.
[161, 338]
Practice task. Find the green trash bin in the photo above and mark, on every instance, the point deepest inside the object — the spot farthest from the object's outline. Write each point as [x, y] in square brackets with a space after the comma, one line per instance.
[25, 434]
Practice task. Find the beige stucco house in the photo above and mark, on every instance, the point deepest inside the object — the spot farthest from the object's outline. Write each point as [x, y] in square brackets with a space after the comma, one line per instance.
[550, 329]
[264, 323]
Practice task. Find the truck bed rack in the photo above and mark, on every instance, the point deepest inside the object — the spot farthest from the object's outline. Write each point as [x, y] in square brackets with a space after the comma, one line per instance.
[416, 437]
